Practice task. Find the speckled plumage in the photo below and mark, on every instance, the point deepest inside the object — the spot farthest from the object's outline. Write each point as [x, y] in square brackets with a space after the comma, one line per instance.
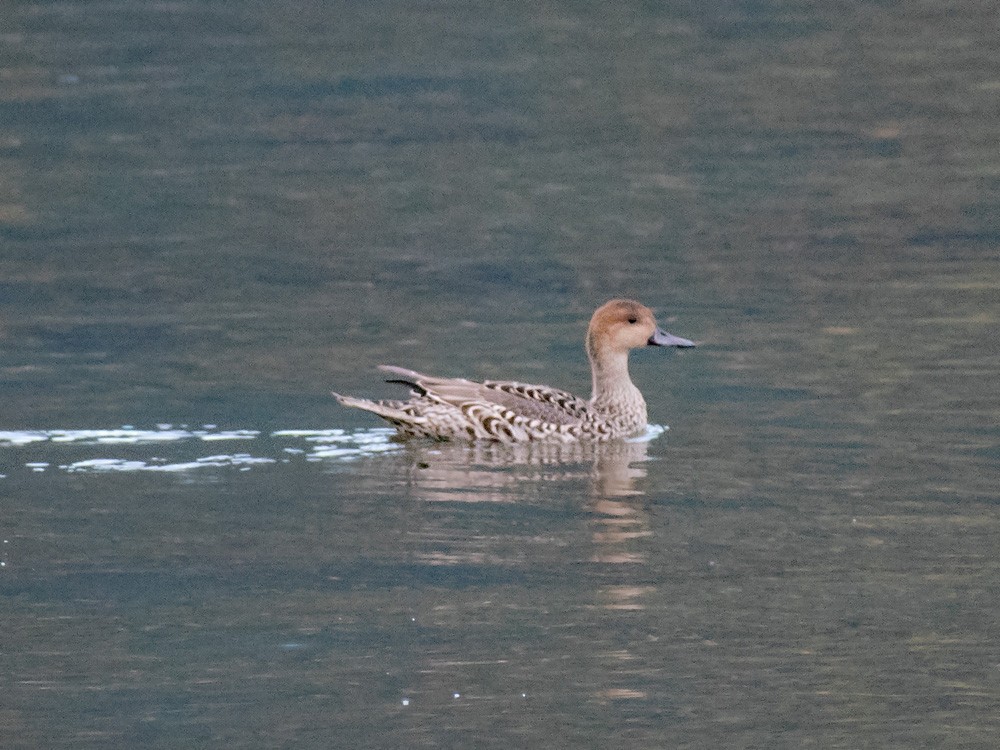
[511, 412]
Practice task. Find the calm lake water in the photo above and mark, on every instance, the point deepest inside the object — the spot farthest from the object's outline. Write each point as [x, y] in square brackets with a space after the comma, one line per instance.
[213, 213]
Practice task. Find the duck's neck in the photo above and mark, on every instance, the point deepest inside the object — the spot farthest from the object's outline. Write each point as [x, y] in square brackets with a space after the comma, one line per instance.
[613, 391]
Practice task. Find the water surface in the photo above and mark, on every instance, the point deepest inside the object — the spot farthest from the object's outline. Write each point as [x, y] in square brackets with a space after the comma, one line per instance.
[212, 214]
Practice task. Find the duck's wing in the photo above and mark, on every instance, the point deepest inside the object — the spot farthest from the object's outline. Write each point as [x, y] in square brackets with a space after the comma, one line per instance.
[510, 400]
[539, 401]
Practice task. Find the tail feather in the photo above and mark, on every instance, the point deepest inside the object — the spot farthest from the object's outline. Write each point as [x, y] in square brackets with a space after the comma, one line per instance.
[389, 410]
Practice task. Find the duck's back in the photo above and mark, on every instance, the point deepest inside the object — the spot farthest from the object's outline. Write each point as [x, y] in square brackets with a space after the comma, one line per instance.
[537, 410]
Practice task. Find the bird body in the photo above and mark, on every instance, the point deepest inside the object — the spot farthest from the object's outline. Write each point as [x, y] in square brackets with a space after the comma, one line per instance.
[512, 412]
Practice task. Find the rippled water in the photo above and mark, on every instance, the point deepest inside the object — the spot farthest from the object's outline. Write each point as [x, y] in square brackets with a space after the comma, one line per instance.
[212, 214]
[180, 447]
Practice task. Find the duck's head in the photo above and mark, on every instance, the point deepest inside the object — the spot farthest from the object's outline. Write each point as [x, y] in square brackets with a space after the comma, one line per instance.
[623, 324]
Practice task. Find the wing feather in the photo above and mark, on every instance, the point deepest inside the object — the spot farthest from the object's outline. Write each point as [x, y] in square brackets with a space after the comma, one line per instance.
[524, 401]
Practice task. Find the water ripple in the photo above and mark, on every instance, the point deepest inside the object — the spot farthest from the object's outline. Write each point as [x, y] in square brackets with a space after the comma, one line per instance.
[177, 444]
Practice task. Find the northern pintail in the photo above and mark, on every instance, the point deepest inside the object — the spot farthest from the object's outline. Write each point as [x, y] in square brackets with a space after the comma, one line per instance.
[511, 412]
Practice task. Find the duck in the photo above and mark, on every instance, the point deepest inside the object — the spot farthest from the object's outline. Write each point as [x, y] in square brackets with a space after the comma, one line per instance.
[443, 408]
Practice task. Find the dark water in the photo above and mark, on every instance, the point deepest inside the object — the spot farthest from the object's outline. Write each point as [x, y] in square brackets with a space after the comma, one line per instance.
[212, 213]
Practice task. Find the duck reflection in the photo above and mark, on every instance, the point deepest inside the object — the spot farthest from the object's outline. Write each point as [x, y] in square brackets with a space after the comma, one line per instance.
[496, 472]
[546, 541]
[598, 483]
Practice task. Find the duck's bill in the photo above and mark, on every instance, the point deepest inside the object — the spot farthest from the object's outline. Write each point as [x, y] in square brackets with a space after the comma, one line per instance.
[662, 338]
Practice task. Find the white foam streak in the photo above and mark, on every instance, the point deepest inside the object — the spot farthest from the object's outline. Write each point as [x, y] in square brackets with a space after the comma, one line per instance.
[652, 432]
[292, 445]
[116, 464]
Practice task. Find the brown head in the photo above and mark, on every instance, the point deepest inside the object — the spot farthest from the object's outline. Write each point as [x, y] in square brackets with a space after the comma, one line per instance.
[623, 324]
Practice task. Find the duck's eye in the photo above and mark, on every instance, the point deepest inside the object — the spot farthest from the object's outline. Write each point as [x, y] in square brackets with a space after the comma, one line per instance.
[633, 320]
